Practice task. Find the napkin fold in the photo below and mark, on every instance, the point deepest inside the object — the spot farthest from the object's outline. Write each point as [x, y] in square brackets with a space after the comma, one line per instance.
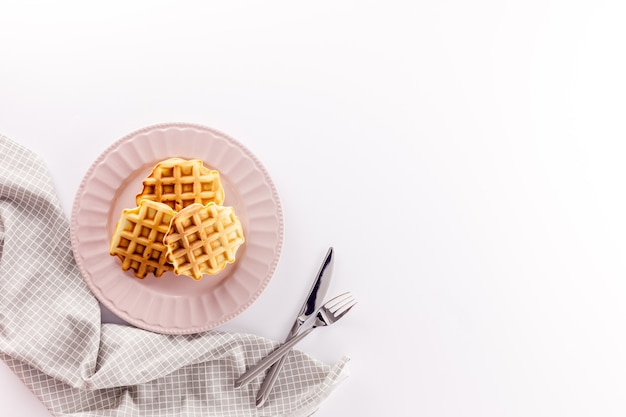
[52, 337]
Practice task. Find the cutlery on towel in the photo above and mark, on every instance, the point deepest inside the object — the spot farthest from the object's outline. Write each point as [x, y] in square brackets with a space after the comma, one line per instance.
[309, 309]
[330, 313]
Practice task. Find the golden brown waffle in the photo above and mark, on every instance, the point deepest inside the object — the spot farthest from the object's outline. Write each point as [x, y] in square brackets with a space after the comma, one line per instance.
[138, 238]
[180, 182]
[203, 239]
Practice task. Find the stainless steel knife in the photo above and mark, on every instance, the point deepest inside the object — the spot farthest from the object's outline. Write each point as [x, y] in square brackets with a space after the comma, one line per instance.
[309, 309]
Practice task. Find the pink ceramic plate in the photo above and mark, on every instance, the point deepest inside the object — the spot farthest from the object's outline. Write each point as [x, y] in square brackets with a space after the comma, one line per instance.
[176, 304]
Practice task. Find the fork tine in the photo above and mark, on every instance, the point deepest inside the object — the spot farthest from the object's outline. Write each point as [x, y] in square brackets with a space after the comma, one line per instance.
[344, 309]
[331, 304]
[342, 303]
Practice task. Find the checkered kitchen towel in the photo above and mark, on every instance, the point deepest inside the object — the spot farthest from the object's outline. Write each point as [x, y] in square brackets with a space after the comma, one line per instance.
[52, 337]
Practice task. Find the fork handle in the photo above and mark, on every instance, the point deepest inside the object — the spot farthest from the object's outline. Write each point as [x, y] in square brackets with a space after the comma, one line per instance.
[270, 359]
[270, 381]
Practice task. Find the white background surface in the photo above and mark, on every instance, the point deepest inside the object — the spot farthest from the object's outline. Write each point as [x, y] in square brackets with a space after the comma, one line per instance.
[465, 159]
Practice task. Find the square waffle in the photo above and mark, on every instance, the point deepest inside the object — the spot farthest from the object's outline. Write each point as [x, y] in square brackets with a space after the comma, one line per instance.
[180, 182]
[138, 238]
[203, 239]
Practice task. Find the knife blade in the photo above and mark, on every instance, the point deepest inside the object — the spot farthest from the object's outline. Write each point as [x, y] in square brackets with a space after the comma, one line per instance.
[315, 299]
[311, 305]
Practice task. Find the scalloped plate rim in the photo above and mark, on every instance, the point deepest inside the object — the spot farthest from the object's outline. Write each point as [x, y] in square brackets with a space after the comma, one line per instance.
[126, 315]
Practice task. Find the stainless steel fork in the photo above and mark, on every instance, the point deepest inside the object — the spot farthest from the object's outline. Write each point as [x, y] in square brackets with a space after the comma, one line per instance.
[329, 313]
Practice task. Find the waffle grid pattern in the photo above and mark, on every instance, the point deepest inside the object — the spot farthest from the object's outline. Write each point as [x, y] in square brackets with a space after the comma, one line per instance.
[180, 183]
[138, 238]
[203, 239]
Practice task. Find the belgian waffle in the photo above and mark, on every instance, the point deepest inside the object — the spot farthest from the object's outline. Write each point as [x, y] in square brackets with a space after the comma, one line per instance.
[203, 239]
[138, 238]
[180, 182]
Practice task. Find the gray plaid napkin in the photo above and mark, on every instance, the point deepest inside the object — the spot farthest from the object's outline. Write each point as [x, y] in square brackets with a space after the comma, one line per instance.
[52, 337]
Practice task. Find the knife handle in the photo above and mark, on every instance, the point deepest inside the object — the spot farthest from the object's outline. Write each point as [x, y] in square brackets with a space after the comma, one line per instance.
[270, 359]
[270, 381]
